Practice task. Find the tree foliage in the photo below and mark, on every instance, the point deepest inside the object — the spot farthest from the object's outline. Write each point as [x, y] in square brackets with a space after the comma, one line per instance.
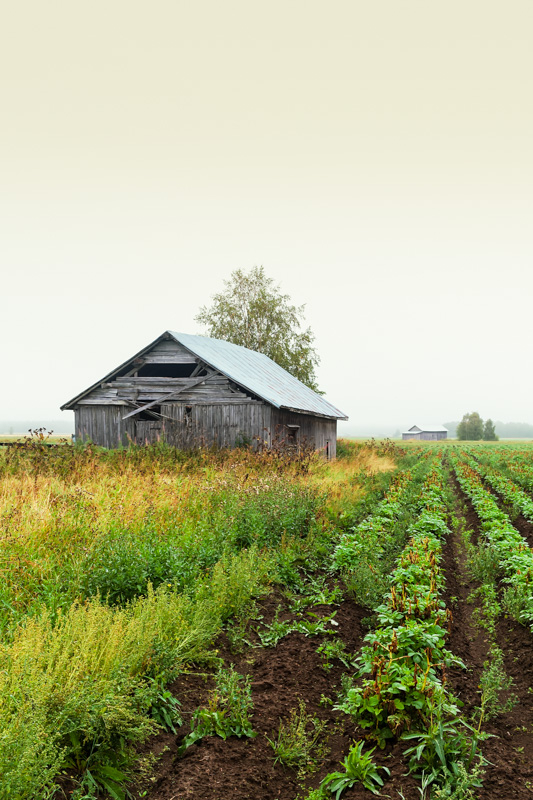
[252, 312]
[472, 428]
[489, 431]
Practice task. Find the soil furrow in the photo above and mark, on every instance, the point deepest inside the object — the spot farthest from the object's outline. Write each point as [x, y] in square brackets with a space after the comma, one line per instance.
[466, 641]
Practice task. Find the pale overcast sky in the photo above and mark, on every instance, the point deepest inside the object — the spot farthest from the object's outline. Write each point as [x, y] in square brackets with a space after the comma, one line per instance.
[374, 157]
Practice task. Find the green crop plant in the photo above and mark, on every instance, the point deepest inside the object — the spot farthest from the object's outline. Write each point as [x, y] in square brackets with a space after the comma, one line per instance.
[271, 634]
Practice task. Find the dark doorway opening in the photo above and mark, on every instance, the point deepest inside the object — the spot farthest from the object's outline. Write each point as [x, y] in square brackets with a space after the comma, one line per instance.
[150, 414]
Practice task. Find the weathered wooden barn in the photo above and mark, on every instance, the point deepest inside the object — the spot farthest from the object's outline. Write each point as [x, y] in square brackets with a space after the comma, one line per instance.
[426, 432]
[193, 391]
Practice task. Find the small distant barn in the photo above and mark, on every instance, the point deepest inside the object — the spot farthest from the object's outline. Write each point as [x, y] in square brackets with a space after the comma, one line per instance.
[193, 391]
[427, 433]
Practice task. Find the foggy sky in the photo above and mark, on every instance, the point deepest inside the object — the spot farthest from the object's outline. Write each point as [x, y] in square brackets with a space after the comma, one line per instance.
[375, 158]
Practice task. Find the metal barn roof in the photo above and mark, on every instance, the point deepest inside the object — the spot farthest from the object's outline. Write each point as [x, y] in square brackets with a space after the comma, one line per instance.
[259, 374]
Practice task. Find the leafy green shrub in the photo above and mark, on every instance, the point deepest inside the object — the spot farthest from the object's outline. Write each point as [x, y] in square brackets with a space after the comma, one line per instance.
[266, 517]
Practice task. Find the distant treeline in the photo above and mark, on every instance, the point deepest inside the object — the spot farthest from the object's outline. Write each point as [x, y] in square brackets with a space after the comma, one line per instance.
[62, 426]
[505, 430]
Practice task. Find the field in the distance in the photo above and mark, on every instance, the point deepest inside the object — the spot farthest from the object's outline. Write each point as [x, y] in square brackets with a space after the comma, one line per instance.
[227, 625]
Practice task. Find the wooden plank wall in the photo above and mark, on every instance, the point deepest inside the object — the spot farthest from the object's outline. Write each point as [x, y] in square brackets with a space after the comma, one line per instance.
[318, 432]
[204, 425]
[219, 425]
[103, 425]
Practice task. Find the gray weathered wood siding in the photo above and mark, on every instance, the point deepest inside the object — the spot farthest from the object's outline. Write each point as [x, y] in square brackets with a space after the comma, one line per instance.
[216, 424]
[318, 432]
[189, 425]
[182, 425]
[124, 391]
[168, 352]
[103, 425]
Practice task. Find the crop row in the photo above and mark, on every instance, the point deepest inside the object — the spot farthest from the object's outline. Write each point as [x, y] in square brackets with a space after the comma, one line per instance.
[401, 687]
[365, 554]
[516, 464]
[515, 559]
[512, 494]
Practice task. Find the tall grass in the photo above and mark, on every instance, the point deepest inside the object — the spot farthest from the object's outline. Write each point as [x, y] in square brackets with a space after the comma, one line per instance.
[114, 525]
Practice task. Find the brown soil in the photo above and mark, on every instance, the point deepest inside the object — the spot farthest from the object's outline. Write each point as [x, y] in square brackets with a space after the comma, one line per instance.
[466, 642]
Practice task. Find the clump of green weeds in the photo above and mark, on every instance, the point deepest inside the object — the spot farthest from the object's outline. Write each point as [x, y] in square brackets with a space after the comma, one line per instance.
[494, 682]
[366, 582]
[237, 628]
[315, 592]
[483, 562]
[227, 713]
[443, 752]
[300, 742]
[163, 707]
[271, 634]
[463, 785]
[516, 601]
[486, 615]
[332, 650]
[359, 767]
